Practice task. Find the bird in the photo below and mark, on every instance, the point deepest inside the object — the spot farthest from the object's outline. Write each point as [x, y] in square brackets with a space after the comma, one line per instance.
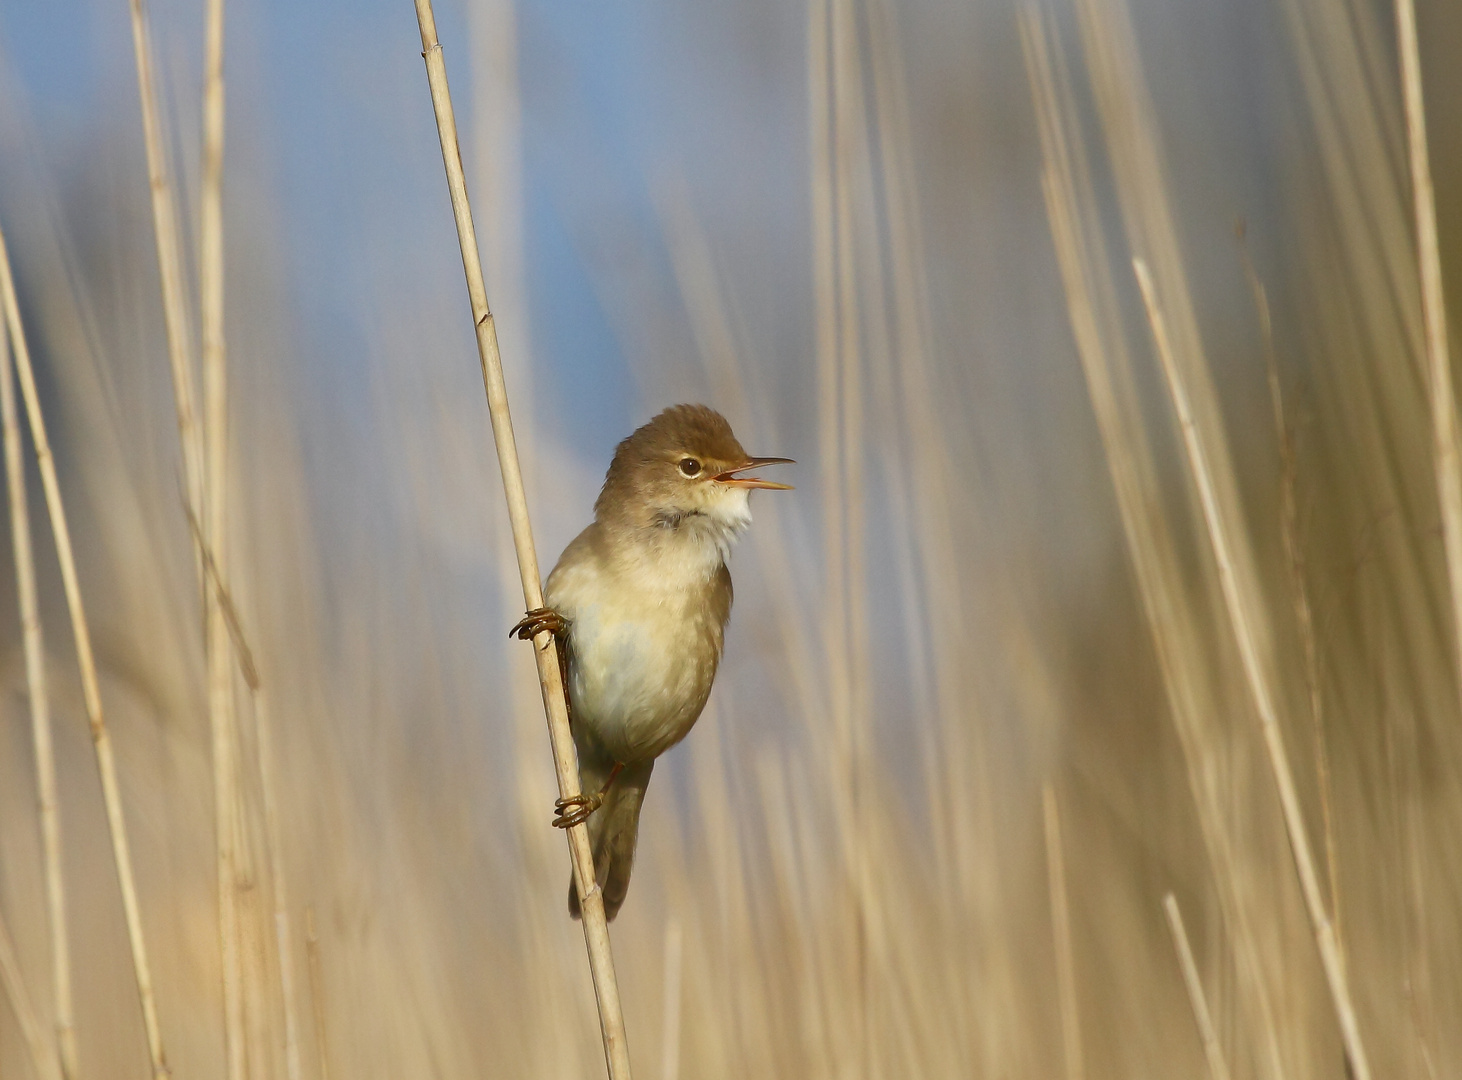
[637, 605]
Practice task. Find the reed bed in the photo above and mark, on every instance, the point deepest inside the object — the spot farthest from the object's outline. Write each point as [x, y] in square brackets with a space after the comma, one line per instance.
[1101, 591]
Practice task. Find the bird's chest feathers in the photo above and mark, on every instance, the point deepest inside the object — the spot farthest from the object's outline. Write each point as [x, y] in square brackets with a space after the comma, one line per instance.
[645, 640]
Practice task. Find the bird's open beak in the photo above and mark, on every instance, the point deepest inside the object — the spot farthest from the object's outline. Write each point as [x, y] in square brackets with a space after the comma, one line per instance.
[731, 478]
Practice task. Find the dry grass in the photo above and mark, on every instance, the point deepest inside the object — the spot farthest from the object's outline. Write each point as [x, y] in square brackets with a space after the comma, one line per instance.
[978, 597]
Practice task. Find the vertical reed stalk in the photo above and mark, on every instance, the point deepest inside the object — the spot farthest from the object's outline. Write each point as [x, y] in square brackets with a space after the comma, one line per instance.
[40, 717]
[826, 331]
[317, 992]
[231, 623]
[42, 1052]
[1061, 933]
[1212, 1048]
[1304, 616]
[1100, 344]
[279, 894]
[91, 691]
[1445, 450]
[227, 817]
[1247, 639]
[848, 138]
[550, 678]
[169, 259]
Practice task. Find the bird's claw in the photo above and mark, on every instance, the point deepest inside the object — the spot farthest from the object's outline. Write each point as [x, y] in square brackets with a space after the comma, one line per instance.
[576, 809]
[536, 621]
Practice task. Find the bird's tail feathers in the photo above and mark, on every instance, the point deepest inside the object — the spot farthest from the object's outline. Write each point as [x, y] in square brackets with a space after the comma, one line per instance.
[613, 831]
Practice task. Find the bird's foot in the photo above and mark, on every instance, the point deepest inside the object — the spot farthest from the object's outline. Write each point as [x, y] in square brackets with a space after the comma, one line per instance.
[538, 620]
[576, 809]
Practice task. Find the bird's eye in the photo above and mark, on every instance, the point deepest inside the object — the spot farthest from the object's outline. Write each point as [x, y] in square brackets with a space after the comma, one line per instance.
[690, 467]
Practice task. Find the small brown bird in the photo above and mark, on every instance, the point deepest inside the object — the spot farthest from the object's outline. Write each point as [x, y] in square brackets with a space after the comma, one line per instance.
[638, 604]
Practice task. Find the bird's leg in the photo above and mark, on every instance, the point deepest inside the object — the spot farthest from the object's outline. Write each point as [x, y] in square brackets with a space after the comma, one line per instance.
[534, 623]
[538, 620]
[576, 809]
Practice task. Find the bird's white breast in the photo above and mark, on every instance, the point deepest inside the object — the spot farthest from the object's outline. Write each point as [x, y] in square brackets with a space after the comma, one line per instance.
[644, 643]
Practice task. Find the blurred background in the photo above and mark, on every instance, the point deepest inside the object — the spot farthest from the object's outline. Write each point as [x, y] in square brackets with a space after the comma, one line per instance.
[982, 707]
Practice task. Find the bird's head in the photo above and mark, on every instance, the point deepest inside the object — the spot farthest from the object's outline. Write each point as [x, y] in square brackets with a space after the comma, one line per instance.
[684, 470]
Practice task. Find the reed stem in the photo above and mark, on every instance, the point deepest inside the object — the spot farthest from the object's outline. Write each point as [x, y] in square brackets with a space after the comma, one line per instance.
[1247, 639]
[169, 260]
[222, 718]
[1061, 934]
[90, 688]
[1212, 1048]
[550, 678]
[42, 1053]
[1434, 316]
[40, 717]
[317, 992]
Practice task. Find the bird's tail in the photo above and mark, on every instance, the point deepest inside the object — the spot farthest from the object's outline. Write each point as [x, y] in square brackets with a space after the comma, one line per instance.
[613, 830]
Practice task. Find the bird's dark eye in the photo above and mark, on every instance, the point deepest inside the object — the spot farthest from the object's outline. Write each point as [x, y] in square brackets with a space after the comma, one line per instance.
[690, 467]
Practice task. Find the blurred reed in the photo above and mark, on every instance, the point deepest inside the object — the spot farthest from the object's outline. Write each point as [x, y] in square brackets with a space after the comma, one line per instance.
[42, 1052]
[33, 642]
[46, 1057]
[81, 633]
[1217, 1065]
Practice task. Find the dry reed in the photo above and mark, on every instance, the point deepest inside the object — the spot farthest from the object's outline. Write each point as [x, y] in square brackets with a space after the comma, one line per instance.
[169, 258]
[1445, 449]
[213, 507]
[1212, 1048]
[1242, 619]
[1173, 625]
[41, 1049]
[48, 801]
[550, 678]
[1289, 529]
[1061, 937]
[91, 691]
[317, 993]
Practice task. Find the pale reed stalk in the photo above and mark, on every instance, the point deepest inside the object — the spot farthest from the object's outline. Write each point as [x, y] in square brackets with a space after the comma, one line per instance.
[550, 678]
[90, 688]
[1212, 1048]
[848, 136]
[959, 761]
[279, 893]
[829, 380]
[496, 143]
[1434, 316]
[734, 380]
[1061, 935]
[42, 1052]
[1417, 971]
[1095, 322]
[220, 595]
[169, 260]
[1247, 639]
[40, 717]
[317, 992]
[223, 726]
[1304, 616]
